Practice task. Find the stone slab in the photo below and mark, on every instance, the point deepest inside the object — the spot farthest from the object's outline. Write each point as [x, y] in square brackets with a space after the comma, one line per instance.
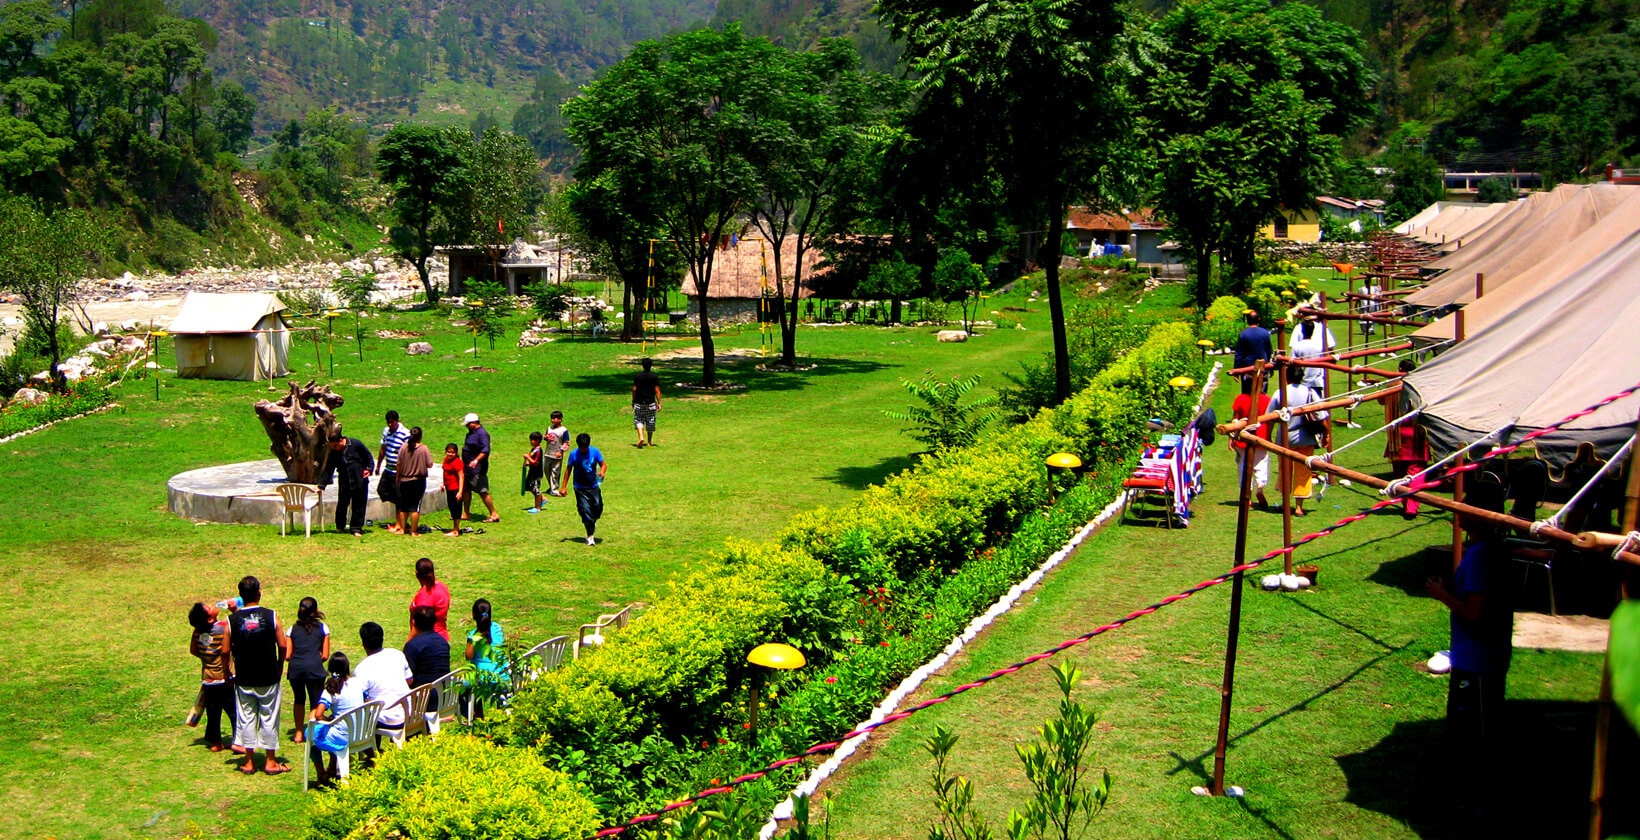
[248, 494]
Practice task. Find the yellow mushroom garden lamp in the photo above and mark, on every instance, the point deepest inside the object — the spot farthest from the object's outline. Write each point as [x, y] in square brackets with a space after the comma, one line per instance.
[475, 305]
[1205, 344]
[1060, 461]
[774, 656]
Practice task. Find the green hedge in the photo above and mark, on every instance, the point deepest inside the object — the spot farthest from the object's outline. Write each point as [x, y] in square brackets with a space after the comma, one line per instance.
[868, 591]
[454, 786]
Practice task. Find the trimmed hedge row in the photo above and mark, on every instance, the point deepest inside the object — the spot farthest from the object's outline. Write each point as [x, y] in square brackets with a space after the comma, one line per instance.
[868, 591]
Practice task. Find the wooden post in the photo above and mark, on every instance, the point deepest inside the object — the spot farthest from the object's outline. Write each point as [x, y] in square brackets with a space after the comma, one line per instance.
[1457, 527]
[1603, 714]
[1286, 474]
[1480, 284]
[1457, 325]
[1227, 688]
[1349, 376]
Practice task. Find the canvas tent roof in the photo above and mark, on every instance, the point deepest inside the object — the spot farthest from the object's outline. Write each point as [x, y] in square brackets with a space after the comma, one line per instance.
[1457, 220]
[213, 313]
[1423, 217]
[1520, 243]
[1547, 358]
[738, 271]
[1519, 283]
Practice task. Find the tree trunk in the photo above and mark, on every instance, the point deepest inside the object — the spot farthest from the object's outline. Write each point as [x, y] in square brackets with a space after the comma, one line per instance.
[426, 281]
[1204, 277]
[895, 311]
[633, 328]
[301, 445]
[788, 333]
[1056, 308]
[708, 360]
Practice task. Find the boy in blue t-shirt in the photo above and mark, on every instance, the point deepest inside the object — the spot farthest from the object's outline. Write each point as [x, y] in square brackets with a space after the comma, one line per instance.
[587, 468]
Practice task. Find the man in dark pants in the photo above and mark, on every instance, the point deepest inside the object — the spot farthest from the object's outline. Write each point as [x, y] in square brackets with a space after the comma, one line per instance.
[1253, 344]
[1482, 623]
[587, 467]
[351, 458]
[475, 453]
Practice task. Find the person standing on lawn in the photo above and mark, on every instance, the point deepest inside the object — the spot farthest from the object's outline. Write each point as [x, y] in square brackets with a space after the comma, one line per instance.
[387, 488]
[430, 592]
[1252, 345]
[455, 486]
[555, 448]
[646, 402]
[309, 651]
[259, 648]
[475, 453]
[351, 458]
[534, 463]
[415, 462]
[209, 643]
[587, 468]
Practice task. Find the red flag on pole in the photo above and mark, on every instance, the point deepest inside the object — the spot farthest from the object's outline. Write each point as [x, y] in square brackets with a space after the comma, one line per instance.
[499, 228]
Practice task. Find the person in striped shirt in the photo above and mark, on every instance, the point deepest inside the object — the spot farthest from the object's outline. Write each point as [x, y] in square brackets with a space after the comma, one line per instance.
[387, 462]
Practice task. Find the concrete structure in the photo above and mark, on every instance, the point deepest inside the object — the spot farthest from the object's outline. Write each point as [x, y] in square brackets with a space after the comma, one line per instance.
[1301, 225]
[522, 265]
[1470, 182]
[248, 494]
[1351, 209]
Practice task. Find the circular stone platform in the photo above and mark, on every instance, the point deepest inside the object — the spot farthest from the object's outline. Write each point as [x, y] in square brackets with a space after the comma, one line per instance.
[248, 494]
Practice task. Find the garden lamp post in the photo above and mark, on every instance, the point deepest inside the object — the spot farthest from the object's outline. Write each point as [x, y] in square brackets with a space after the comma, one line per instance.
[330, 324]
[475, 306]
[1180, 384]
[358, 334]
[1205, 344]
[153, 360]
[771, 655]
[1060, 461]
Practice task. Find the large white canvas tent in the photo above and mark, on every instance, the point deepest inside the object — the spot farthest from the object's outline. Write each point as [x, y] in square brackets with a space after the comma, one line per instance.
[1544, 222]
[231, 336]
[1539, 272]
[1547, 358]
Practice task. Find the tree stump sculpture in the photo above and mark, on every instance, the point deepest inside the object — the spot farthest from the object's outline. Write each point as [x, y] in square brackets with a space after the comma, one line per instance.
[301, 424]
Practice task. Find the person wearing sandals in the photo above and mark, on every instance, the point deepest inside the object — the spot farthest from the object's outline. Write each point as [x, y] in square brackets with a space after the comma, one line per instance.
[259, 647]
[342, 694]
[475, 453]
[483, 642]
[455, 486]
[208, 642]
[646, 403]
[414, 462]
[309, 650]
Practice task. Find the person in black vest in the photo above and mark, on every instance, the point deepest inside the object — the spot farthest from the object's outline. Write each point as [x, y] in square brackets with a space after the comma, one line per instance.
[351, 458]
[646, 401]
[259, 649]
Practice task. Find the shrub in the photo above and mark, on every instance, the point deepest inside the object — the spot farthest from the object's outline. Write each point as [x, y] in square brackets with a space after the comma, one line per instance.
[82, 396]
[944, 421]
[1224, 320]
[355, 289]
[455, 786]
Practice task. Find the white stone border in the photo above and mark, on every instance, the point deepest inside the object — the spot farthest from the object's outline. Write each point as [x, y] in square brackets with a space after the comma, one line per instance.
[43, 426]
[911, 683]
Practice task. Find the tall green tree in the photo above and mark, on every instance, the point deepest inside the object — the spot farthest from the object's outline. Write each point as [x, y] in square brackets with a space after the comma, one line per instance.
[680, 111]
[424, 167]
[1244, 106]
[1029, 97]
[501, 191]
[611, 222]
[815, 144]
[43, 257]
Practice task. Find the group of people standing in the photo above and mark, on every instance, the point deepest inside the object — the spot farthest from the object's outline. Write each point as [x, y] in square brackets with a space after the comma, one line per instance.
[245, 650]
[1299, 387]
[402, 464]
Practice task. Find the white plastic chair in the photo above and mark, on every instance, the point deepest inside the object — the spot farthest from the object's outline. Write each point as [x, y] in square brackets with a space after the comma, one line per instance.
[414, 705]
[538, 660]
[617, 620]
[299, 498]
[361, 736]
[448, 688]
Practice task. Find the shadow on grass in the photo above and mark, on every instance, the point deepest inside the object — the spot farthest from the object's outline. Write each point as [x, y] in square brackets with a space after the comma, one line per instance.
[859, 478]
[1199, 765]
[1538, 786]
[739, 370]
[1409, 572]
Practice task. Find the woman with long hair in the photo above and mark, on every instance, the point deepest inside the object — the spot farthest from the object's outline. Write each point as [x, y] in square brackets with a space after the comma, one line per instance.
[414, 463]
[484, 654]
[309, 649]
[342, 695]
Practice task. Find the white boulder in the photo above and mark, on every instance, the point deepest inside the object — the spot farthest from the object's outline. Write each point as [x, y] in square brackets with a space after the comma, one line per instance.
[418, 348]
[951, 336]
[28, 396]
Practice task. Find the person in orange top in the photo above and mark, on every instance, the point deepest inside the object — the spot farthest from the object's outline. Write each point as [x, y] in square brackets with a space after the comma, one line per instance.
[1243, 409]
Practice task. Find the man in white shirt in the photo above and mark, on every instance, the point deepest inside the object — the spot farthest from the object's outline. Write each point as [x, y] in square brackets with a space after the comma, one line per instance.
[386, 675]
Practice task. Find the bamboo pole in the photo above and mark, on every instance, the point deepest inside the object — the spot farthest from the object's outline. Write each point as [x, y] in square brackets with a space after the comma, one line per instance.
[1227, 688]
[1283, 374]
[1237, 425]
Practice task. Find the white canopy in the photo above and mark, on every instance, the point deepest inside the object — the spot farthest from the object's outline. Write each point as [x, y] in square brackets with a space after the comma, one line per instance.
[1547, 358]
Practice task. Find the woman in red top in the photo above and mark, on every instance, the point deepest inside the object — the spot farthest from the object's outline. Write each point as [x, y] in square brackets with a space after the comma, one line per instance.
[432, 593]
[455, 486]
[1242, 409]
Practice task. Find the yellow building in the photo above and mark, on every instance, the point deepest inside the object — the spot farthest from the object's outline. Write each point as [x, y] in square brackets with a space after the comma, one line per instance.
[1294, 226]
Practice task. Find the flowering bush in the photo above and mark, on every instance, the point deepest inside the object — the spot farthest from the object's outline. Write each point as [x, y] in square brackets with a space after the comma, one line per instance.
[89, 393]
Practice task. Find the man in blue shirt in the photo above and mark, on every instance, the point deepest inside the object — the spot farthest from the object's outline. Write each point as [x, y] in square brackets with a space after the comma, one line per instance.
[1253, 344]
[587, 467]
[475, 453]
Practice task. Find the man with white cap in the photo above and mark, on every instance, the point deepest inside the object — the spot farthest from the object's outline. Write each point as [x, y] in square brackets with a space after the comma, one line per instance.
[475, 453]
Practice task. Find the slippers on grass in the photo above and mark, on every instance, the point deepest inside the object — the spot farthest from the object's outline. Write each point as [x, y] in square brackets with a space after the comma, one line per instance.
[492, 519]
[277, 769]
[248, 769]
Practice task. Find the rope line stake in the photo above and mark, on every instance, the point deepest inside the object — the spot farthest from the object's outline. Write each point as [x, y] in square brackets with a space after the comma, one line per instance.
[1633, 536]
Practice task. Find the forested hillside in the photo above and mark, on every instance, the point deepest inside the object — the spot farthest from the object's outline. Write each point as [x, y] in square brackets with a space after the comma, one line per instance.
[381, 58]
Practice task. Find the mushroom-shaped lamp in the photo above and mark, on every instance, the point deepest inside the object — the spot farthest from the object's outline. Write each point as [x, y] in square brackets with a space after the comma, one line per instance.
[769, 655]
[1181, 382]
[1205, 344]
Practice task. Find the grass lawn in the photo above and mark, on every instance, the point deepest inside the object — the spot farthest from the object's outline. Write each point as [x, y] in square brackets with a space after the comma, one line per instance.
[99, 576]
[1336, 730]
